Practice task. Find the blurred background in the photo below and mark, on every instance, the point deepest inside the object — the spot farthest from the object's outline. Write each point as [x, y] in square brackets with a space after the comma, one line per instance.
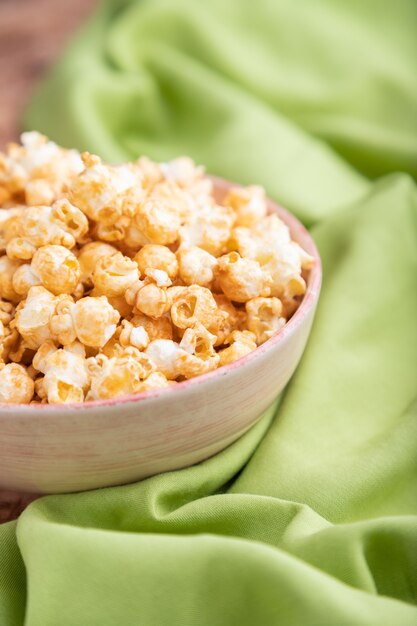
[32, 33]
[341, 71]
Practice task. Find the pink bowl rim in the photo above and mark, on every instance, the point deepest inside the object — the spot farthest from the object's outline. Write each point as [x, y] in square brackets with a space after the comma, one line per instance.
[308, 302]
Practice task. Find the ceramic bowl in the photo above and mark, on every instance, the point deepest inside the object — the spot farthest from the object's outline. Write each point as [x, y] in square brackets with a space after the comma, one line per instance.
[62, 448]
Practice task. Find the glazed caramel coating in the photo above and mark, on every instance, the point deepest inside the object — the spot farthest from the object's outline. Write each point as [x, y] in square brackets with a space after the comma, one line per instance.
[120, 279]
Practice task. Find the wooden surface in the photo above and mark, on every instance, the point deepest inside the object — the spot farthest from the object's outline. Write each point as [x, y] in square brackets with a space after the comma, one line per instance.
[12, 504]
[32, 34]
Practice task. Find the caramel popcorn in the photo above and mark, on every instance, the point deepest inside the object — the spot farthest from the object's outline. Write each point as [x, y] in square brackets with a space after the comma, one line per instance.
[66, 378]
[8, 268]
[16, 386]
[57, 268]
[120, 375]
[114, 274]
[156, 380]
[135, 336]
[166, 354]
[100, 190]
[150, 300]
[159, 221]
[208, 228]
[37, 171]
[93, 321]
[283, 260]
[194, 305]
[160, 328]
[242, 279]
[249, 204]
[264, 317]
[153, 256]
[90, 254]
[196, 266]
[33, 316]
[233, 320]
[120, 279]
[201, 356]
[35, 227]
[241, 343]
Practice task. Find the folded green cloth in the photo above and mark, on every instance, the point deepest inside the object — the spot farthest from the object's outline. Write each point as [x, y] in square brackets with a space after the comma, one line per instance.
[310, 519]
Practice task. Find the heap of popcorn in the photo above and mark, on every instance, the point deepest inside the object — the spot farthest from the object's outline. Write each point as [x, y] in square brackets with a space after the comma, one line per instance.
[115, 280]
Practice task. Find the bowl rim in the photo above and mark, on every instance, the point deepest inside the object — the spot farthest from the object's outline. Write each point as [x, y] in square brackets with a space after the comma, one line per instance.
[308, 302]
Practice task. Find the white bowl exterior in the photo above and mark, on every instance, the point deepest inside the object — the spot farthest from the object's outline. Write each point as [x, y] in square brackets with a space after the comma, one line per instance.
[50, 450]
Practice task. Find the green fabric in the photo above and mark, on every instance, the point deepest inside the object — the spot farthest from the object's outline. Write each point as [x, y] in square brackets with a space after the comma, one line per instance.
[310, 519]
